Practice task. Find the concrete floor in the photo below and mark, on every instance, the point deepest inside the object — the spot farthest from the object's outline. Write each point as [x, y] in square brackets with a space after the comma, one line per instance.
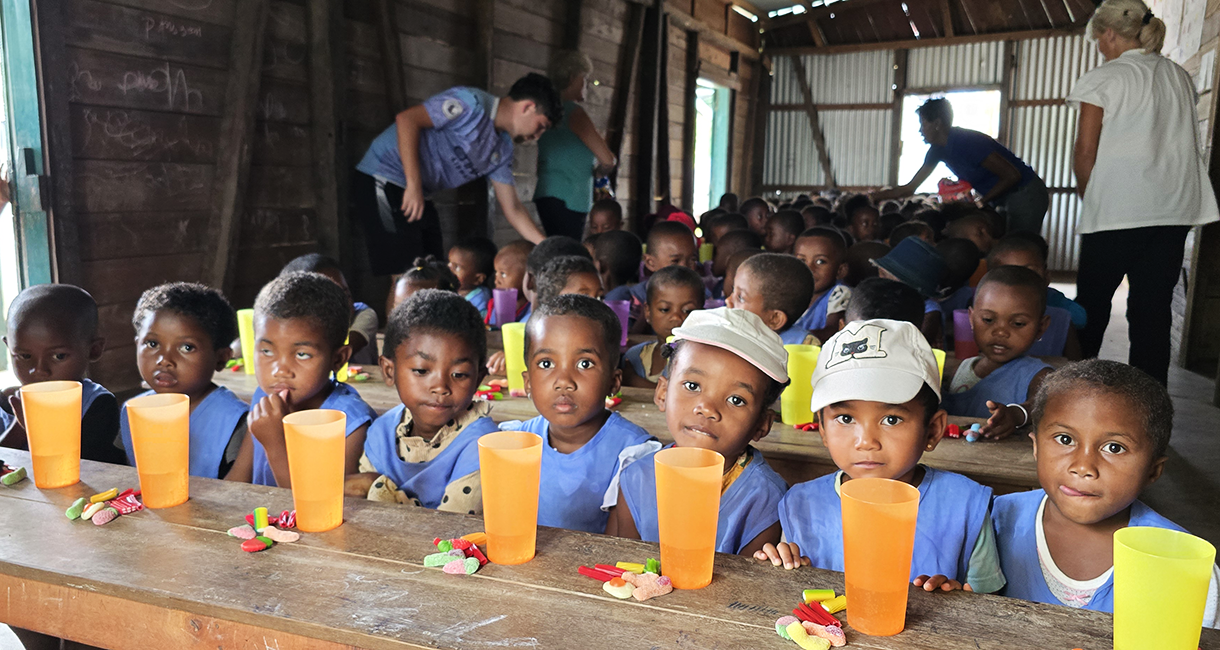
[1188, 492]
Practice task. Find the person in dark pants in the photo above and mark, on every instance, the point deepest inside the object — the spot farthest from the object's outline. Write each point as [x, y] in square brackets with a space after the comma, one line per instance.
[1142, 179]
[449, 140]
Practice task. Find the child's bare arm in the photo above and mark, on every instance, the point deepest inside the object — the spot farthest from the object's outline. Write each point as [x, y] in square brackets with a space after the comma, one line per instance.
[358, 485]
[495, 364]
[353, 449]
[769, 536]
[267, 425]
[634, 380]
[243, 466]
[1006, 419]
[14, 438]
[621, 523]
[1071, 347]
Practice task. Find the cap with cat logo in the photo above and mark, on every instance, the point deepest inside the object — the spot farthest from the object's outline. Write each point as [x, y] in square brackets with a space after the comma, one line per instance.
[876, 361]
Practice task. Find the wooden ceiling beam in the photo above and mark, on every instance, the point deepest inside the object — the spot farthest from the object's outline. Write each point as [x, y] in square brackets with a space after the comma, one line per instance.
[925, 42]
[947, 18]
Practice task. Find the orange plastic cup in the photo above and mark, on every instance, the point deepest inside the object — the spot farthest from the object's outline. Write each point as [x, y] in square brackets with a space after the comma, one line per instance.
[688, 506]
[315, 443]
[510, 467]
[878, 538]
[161, 437]
[52, 425]
[245, 330]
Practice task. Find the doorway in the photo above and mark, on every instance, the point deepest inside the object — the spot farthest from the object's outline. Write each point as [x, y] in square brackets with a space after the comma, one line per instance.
[977, 110]
[712, 107]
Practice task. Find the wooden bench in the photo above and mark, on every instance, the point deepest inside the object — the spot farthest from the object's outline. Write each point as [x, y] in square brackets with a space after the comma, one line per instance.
[173, 578]
[798, 456]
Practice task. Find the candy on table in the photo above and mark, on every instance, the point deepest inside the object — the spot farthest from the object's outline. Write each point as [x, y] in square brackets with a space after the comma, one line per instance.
[280, 536]
[443, 558]
[612, 570]
[253, 545]
[260, 518]
[465, 566]
[652, 565]
[831, 633]
[630, 566]
[648, 585]
[808, 426]
[105, 516]
[286, 520]
[814, 615]
[13, 476]
[357, 377]
[444, 545]
[475, 553]
[835, 605]
[953, 431]
[517, 393]
[242, 532]
[613, 401]
[266, 540]
[92, 509]
[782, 623]
[973, 434]
[126, 503]
[797, 633]
[596, 574]
[104, 496]
[77, 508]
[478, 539]
[489, 395]
[497, 382]
[817, 595]
[618, 588]
[460, 544]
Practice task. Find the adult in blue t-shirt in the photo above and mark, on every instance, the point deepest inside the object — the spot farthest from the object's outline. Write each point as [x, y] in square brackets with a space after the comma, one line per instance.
[449, 140]
[1002, 179]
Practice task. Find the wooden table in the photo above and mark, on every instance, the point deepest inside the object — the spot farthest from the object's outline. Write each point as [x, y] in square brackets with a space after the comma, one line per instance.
[798, 456]
[173, 579]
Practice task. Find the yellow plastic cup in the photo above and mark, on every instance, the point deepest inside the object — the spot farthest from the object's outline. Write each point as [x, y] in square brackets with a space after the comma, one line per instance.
[794, 401]
[1167, 569]
[161, 437]
[245, 329]
[878, 539]
[315, 444]
[52, 426]
[510, 467]
[514, 354]
[688, 506]
[706, 252]
[940, 362]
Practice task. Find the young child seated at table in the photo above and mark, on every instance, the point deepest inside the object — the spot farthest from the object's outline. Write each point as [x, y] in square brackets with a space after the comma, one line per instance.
[1008, 316]
[362, 333]
[756, 210]
[1024, 248]
[823, 251]
[605, 216]
[425, 451]
[715, 228]
[863, 219]
[725, 369]
[473, 262]
[669, 243]
[734, 263]
[730, 244]
[1101, 432]
[673, 293]
[425, 273]
[776, 288]
[571, 361]
[876, 391]
[182, 339]
[883, 298]
[568, 274]
[300, 322]
[52, 336]
[915, 262]
[617, 255]
[783, 228]
[510, 274]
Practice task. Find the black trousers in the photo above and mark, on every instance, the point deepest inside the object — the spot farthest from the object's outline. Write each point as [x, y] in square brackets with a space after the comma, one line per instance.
[557, 219]
[392, 242]
[1151, 259]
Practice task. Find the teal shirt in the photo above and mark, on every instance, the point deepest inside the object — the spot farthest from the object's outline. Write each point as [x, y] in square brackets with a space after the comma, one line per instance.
[565, 166]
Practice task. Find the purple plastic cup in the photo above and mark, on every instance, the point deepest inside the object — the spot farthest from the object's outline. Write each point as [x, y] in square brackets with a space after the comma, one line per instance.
[505, 307]
[623, 309]
[964, 346]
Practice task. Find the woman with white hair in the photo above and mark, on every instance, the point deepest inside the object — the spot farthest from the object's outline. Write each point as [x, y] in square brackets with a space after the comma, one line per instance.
[570, 153]
[1140, 172]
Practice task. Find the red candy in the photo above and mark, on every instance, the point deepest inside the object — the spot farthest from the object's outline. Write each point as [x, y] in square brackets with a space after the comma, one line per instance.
[252, 546]
[126, 504]
[953, 431]
[460, 544]
[287, 519]
[474, 552]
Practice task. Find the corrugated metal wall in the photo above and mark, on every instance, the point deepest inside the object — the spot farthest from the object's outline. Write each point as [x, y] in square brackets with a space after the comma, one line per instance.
[956, 66]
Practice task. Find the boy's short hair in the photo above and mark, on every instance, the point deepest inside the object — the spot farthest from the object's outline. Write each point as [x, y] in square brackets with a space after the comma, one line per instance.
[731, 220]
[430, 269]
[790, 220]
[203, 304]
[820, 214]
[538, 89]
[553, 277]
[310, 296]
[550, 248]
[957, 227]
[1017, 277]
[831, 235]
[754, 203]
[961, 259]
[740, 240]
[728, 201]
[663, 229]
[575, 304]
[937, 108]
[860, 258]
[484, 252]
[787, 283]
[885, 298]
[914, 228]
[888, 222]
[433, 310]
[1022, 241]
[313, 263]
[608, 205]
[676, 275]
[855, 203]
[65, 304]
[619, 253]
[1135, 386]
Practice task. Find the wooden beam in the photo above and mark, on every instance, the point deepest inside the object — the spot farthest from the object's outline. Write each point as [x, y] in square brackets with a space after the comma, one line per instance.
[683, 20]
[323, 125]
[235, 142]
[834, 107]
[690, 116]
[815, 31]
[1010, 65]
[572, 28]
[946, 16]
[485, 29]
[643, 164]
[665, 184]
[391, 55]
[626, 74]
[900, 88]
[761, 91]
[926, 42]
[798, 68]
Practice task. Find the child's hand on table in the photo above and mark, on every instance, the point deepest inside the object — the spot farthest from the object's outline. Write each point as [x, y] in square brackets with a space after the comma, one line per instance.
[786, 554]
[939, 582]
[495, 364]
[1002, 423]
[358, 485]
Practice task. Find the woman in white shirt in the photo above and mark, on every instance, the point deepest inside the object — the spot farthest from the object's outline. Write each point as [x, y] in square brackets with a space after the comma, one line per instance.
[1140, 172]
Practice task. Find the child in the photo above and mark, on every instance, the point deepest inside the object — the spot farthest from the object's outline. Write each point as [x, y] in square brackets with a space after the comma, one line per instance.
[734, 263]
[1101, 432]
[300, 321]
[510, 274]
[974, 226]
[729, 244]
[756, 211]
[1024, 248]
[473, 262]
[881, 298]
[546, 250]
[362, 333]
[182, 338]
[673, 293]
[728, 202]
[776, 288]
[425, 273]
[617, 255]
[605, 216]
[572, 357]
[876, 393]
[669, 243]
[590, 244]
[721, 224]
[782, 230]
[823, 251]
[725, 368]
[911, 229]
[815, 215]
[568, 274]
[863, 220]
[860, 259]
[52, 336]
[425, 452]
[915, 262]
[1008, 316]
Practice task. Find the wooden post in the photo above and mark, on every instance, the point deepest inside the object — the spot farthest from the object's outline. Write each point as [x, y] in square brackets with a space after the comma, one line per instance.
[1010, 66]
[625, 78]
[665, 186]
[761, 91]
[391, 56]
[646, 129]
[572, 29]
[946, 16]
[322, 86]
[900, 88]
[689, 118]
[811, 110]
[233, 147]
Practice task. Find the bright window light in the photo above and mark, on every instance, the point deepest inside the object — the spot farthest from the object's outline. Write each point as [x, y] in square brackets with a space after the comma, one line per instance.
[752, 18]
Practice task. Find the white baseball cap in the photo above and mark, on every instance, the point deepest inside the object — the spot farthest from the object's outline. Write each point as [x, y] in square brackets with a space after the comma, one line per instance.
[876, 360]
[740, 332]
